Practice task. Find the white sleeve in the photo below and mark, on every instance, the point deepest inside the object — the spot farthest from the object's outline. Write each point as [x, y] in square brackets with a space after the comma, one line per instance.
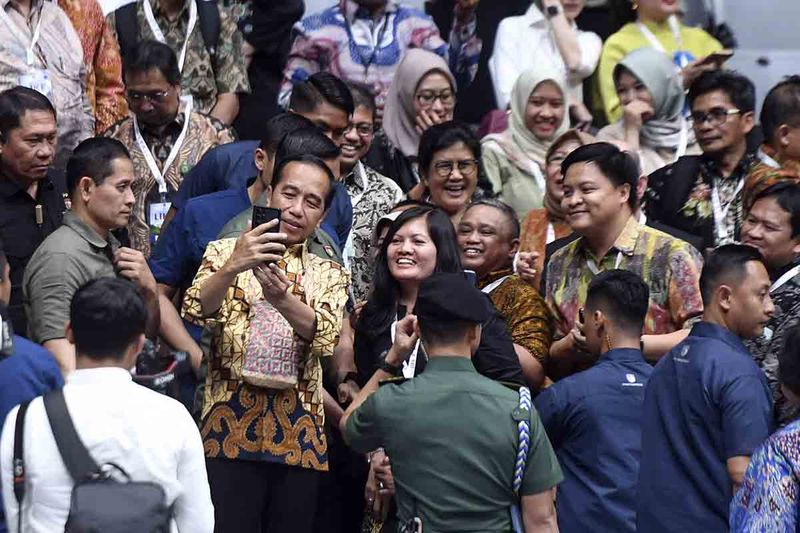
[10, 506]
[591, 46]
[193, 509]
[503, 69]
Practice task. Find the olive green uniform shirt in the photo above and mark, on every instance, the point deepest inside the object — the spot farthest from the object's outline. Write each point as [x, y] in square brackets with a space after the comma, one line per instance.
[452, 440]
[67, 259]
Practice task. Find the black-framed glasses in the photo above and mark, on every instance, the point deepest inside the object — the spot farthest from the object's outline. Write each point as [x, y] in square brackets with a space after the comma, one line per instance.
[715, 116]
[362, 128]
[466, 167]
[447, 97]
[137, 97]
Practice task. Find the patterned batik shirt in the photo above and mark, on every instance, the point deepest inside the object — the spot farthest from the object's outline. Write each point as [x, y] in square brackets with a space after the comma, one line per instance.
[372, 196]
[203, 76]
[670, 267]
[527, 317]
[203, 134]
[699, 204]
[345, 41]
[766, 348]
[241, 421]
[769, 497]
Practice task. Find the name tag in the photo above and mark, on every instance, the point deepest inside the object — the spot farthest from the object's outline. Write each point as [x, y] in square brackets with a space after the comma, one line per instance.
[38, 80]
[156, 215]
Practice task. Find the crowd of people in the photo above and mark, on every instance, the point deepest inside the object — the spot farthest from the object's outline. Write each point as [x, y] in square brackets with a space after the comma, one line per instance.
[265, 273]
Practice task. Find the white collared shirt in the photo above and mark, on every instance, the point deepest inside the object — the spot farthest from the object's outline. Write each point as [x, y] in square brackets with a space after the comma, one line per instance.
[524, 41]
[149, 435]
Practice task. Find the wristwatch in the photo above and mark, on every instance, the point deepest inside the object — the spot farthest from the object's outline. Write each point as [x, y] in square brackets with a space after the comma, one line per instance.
[552, 11]
[391, 369]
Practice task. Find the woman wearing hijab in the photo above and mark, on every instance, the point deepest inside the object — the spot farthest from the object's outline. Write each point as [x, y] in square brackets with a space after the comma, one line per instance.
[514, 159]
[652, 99]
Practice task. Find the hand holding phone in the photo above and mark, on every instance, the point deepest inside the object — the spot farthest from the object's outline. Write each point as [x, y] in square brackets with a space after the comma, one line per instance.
[263, 215]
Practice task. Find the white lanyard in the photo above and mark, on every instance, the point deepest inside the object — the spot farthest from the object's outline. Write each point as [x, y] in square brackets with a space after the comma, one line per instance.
[783, 279]
[411, 364]
[720, 214]
[653, 40]
[593, 266]
[148, 155]
[493, 285]
[551, 233]
[159, 35]
[30, 56]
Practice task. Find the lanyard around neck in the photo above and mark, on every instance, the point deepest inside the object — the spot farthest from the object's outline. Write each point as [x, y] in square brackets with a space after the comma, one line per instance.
[159, 174]
[781, 281]
[30, 44]
[159, 35]
[720, 214]
[674, 27]
[367, 61]
[493, 285]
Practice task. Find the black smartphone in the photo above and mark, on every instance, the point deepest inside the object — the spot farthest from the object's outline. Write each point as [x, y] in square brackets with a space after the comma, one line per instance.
[262, 215]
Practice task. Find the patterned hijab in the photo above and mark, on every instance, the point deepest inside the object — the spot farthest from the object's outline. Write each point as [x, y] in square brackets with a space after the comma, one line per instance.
[519, 145]
[399, 118]
[657, 72]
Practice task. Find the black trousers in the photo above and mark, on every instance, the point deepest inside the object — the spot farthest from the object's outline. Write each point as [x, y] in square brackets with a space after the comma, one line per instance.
[258, 497]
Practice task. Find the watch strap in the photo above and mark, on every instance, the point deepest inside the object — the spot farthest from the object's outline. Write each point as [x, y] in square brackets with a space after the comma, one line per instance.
[391, 369]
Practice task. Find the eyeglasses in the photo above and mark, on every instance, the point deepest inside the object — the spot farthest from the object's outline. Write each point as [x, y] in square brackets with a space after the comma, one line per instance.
[717, 116]
[136, 97]
[362, 128]
[466, 167]
[429, 97]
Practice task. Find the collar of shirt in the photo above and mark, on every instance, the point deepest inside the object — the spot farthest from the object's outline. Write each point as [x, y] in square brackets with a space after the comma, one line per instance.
[625, 243]
[713, 331]
[623, 355]
[36, 6]
[353, 11]
[449, 364]
[711, 171]
[80, 227]
[171, 131]
[10, 188]
[494, 276]
[100, 376]
[357, 178]
[160, 14]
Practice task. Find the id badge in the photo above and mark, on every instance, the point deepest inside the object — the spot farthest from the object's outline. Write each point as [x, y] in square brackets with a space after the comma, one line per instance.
[158, 211]
[38, 80]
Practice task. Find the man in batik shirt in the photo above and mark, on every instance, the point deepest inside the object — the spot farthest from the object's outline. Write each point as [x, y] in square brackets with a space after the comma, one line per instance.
[266, 447]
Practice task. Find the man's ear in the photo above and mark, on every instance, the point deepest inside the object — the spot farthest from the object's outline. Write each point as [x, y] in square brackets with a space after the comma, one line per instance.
[724, 294]
[796, 247]
[259, 158]
[85, 187]
[134, 350]
[748, 122]
[69, 333]
[514, 248]
[782, 136]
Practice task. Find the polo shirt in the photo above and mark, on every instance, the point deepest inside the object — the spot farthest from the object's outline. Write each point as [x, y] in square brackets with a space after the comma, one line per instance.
[230, 166]
[452, 439]
[21, 234]
[706, 401]
[70, 257]
[594, 422]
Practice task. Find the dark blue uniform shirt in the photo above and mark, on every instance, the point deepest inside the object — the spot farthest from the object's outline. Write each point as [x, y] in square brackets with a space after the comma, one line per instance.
[594, 421]
[230, 166]
[706, 402]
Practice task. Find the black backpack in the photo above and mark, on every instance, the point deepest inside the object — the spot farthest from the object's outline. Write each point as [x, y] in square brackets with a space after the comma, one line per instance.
[99, 503]
[127, 26]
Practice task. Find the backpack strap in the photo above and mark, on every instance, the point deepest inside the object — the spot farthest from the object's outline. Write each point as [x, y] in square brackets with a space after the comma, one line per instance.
[127, 26]
[210, 24]
[19, 461]
[73, 452]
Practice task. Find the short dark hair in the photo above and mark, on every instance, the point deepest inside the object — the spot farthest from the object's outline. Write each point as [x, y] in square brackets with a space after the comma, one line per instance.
[106, 315]
[308, 141]
[622, 296]
[726, 264]
[443, 136]
[504, 208]
[150, 54]
[93, 158]
[739, 89]
[280, 166]
[278, 127]
[620, 167]
[789, 362]
[362, 97]
[781, 106]
[17, 101]
[435, 331]
[320, 88]
[787, 194]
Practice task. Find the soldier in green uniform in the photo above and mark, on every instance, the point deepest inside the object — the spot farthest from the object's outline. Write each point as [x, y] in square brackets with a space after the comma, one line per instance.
[450, 433]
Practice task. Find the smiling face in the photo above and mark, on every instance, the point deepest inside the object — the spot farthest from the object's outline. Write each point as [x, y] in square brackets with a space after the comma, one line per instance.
[591, 201]
[768, 227]
[300, 195]
[629, 88]
[357, 138]
[411, 254]
[730, 135]
[555, 179]
[28, 151]
[749, 304]
[452, 192]
[484, 237]
[434, 94]
[110, 203]
[545, 110]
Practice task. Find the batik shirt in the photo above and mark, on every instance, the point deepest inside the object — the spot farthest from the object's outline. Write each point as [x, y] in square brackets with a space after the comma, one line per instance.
[241, 421]
[699, 204]
[372, 196]
[203, 76]
[670, 267]
[345, 41]
[203, 134]
[770, 494]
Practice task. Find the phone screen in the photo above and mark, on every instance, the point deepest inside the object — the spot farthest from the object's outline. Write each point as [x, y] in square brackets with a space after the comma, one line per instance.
[262, 215]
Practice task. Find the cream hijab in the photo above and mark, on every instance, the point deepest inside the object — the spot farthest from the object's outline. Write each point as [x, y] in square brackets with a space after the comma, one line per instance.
[519, 145]
[399, 117]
